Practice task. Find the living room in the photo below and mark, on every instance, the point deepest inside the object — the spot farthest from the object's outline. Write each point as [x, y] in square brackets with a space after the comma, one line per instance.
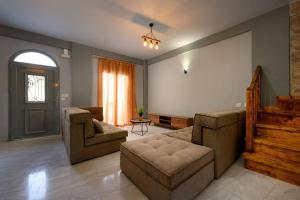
[149, 99]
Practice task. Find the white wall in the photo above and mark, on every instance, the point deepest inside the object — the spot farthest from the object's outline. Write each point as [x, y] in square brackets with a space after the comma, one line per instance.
[9, 47]
[217, 78]
[95, 81]
[139, 79]
[139, 84]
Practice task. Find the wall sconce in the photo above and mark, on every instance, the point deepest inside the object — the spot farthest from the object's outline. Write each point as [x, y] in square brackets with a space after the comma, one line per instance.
[186, 62]
[185, 69]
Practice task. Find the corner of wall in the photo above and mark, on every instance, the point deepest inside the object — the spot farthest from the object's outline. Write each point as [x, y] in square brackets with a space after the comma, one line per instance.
[145, 87]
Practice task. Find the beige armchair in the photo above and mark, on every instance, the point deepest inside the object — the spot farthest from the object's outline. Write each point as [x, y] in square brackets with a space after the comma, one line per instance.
[81, 140]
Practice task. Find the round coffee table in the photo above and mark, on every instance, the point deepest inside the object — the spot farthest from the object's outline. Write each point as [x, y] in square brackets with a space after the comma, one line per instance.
[142, 123]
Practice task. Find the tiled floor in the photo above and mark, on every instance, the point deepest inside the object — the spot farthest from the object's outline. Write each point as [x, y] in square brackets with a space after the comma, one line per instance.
[39, 169]
[151, 130]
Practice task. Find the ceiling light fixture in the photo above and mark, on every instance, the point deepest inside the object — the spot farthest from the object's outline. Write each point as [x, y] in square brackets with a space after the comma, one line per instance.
[150, 40]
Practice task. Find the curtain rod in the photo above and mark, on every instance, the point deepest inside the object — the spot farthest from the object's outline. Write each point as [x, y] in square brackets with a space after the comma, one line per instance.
[115, 59]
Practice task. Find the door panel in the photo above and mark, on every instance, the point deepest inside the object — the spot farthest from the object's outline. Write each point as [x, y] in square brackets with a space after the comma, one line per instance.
[34, 93]
[35, 121]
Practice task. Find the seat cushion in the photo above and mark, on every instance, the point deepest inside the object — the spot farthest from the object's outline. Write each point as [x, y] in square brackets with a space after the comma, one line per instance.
[110, 133]
[168, 160]
[182, 134]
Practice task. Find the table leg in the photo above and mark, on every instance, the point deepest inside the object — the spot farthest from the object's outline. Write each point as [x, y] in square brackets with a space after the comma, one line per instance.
[146, 127]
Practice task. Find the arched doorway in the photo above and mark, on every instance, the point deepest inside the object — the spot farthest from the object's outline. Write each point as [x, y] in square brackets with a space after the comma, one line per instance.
[33, 95]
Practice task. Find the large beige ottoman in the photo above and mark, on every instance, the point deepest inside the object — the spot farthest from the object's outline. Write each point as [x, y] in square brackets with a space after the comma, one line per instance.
[167, 168]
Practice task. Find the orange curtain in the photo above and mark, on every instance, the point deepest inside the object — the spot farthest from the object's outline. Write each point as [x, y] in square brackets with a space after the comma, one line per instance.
[116, 85]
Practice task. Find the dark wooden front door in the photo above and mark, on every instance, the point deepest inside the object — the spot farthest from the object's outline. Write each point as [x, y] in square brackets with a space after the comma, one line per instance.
[34, 99]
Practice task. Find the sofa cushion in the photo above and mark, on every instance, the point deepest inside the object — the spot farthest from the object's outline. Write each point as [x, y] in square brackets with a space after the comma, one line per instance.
[110, 133]
[211, 120]
[168, 160]
[97, 126]
[96, 112]
[182, 134]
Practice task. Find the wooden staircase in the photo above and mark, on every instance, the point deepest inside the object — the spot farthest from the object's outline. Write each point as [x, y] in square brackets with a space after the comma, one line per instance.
[273, 135]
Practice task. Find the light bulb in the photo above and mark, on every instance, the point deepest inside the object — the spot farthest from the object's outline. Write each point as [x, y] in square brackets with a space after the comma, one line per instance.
[156, 46]
[151, 44]
[145, 42]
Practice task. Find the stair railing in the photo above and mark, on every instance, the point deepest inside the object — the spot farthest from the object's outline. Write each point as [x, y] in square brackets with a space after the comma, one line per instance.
[252, 107]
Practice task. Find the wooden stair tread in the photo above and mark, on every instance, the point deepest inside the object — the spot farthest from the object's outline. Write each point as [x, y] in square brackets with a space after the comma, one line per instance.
[277, 143]
[273, 172]
[277, 152]
[279, 112]
[278, 127]
[290, 166]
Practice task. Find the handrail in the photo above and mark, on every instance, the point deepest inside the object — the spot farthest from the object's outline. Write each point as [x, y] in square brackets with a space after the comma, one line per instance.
[255, 78]
[252, 107]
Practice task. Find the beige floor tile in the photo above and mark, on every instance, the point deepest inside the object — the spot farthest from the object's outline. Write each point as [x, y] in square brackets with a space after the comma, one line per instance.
[39, 169]
[283, 190]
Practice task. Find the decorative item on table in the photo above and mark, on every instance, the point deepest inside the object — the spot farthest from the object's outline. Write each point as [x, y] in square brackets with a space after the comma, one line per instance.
[141, 113]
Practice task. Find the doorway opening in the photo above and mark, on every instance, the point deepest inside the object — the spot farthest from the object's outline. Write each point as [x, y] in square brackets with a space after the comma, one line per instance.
[33, 95]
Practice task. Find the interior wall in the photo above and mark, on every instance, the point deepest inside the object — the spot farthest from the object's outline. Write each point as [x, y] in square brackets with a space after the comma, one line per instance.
[145, 88]
[8, 48]
[270, 49]
[217, 77]
[139, 81]
[139, 85]
[295, 47]
[81, 75]
[83, 72]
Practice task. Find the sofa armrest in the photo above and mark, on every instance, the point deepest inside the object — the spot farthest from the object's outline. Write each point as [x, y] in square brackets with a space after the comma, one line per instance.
[78, 126]
[213, 120]
[85, 121]
[223, 132]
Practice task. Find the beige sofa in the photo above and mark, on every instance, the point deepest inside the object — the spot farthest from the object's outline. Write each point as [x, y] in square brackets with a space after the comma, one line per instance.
[170, 167]
[224, 132]
[81, 140]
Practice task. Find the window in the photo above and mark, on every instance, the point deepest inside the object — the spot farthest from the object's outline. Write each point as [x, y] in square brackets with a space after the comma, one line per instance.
[109, 97]
[117, 91]
[114, 88]
[36, 90]
[35, 58]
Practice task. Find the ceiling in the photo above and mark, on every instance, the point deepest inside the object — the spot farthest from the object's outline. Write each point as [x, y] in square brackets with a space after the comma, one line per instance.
[117, 25]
